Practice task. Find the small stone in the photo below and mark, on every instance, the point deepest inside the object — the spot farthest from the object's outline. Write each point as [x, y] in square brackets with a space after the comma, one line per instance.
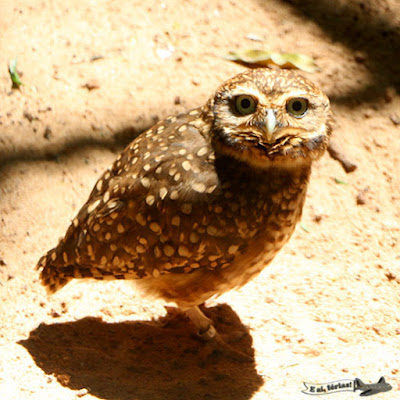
[81, 392]
[47, 133]
[360, 199]
[195, 82]
[55, 314]
[395, 119]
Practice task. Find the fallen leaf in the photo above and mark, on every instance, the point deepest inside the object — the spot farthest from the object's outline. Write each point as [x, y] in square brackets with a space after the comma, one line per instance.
[263, 58]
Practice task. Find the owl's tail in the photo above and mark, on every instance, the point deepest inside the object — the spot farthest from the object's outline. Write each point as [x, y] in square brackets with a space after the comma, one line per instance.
[55, 272]
[52, 276]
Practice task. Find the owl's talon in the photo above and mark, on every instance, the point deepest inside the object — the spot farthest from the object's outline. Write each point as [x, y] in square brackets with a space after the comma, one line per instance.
[208, 334]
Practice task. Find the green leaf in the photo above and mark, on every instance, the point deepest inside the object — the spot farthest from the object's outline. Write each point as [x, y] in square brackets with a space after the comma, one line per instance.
[264, 58]
[12, 69]
[337, 180]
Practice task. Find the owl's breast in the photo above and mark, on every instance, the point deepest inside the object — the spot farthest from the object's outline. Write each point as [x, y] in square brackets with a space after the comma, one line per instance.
[274, 205]
[231, 234]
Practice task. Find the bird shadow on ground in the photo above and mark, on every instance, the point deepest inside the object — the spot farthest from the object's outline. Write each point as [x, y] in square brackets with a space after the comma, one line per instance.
[159, 359]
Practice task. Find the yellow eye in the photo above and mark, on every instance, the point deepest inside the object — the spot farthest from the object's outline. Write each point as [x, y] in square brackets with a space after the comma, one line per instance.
[297, 107]
[245, 104]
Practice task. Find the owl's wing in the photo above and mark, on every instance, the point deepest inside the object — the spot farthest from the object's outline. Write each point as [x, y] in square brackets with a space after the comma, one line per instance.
[152, 212]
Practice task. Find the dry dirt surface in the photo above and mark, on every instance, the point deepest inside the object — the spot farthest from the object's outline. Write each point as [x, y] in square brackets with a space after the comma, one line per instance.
[96, 74]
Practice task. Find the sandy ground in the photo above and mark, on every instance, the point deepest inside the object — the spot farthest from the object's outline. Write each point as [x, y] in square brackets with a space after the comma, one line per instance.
[97, 73]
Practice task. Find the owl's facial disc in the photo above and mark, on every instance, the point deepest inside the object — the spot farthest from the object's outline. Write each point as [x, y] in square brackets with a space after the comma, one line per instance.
[270, 118]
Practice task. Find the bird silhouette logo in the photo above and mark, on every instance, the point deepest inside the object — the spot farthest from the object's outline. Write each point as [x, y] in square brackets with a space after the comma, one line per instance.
[368, 389]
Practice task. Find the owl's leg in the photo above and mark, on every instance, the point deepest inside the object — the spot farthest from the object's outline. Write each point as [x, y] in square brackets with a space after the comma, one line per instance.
[215, 342]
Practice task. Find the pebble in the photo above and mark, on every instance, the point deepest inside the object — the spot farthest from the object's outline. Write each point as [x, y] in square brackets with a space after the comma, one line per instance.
[361, 198]
[395, 119]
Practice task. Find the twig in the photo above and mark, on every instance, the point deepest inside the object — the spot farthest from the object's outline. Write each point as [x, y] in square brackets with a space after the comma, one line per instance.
[337, 155]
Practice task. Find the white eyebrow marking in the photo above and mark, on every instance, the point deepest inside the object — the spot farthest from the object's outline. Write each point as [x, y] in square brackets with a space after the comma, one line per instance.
[297, 93]
[247, 90]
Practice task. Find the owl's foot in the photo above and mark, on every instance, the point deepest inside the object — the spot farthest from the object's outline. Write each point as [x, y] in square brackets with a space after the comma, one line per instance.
[215, 344]
[203, 324]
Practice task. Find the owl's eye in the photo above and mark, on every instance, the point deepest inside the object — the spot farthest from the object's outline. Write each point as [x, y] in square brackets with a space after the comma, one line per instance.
[297, 107]
[245, 104]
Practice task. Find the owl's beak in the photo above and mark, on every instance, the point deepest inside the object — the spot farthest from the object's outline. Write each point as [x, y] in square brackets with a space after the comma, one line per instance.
[270, 125]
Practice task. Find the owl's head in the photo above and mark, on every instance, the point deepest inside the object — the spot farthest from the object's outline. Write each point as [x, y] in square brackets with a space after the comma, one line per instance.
[269, 118]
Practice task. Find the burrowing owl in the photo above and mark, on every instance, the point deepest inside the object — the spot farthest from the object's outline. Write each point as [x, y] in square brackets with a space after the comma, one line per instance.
[201, 202]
